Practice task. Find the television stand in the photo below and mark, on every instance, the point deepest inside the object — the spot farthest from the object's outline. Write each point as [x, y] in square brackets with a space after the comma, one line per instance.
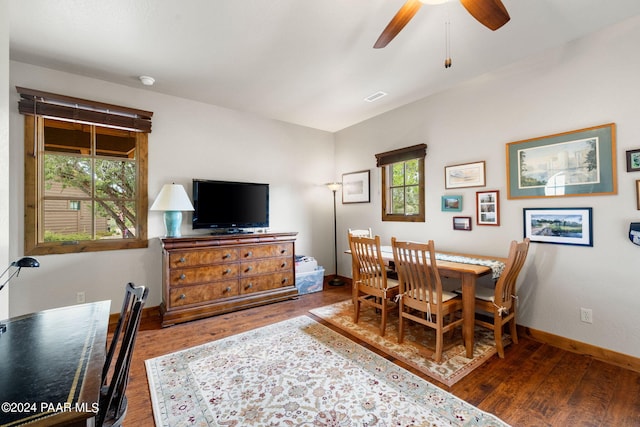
[204, 276]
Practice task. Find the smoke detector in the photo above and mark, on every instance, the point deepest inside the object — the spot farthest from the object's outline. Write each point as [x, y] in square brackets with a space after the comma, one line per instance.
[147, 81]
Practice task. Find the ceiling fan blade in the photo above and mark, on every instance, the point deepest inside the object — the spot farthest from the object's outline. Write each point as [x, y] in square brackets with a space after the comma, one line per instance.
[490, 13]
[404, 15]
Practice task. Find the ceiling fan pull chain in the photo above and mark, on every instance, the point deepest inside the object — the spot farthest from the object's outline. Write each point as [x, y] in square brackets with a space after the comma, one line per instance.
[447, 37]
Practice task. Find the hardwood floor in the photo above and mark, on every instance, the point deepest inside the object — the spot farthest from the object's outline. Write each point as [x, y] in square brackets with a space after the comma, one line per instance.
[534, 385]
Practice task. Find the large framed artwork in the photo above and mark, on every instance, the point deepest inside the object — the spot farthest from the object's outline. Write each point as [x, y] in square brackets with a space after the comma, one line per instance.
[563, 226]
[355, 187]
[576, 163]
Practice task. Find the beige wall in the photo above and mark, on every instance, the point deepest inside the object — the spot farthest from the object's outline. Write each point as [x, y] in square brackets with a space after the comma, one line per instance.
[189, 140]
[4, 151]
[589, 82]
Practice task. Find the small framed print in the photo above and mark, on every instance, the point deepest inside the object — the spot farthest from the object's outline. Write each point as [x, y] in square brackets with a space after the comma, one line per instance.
[488, 207]
[633, 160]
[462, 223]
[451, 203]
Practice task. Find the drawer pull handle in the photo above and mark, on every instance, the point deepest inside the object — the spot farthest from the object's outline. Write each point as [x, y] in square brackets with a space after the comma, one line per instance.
[285, 280]
[183, 296]
[226, 256]
[182, 259]
[249, 268]
[284, 264]
[227, 271]
[283, 251]
[249, 254]
[249, 286]
[228, 289]
[182, 276]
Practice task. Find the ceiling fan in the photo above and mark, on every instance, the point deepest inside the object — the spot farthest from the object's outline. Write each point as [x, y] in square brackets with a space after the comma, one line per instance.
[490, 13]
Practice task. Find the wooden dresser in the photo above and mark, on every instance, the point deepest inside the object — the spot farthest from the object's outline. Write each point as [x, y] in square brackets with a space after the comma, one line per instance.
[207, 275]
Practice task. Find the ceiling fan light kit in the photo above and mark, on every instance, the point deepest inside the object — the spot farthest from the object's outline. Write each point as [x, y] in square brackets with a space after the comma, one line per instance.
[490, 13]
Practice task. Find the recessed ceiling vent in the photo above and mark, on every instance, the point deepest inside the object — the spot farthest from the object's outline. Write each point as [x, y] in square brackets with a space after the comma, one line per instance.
[375, 96]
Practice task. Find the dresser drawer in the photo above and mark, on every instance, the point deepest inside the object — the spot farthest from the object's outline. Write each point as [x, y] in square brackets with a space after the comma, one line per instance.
[202, 257]
[268, 265]
[266, 251]
[266, 282]
[198, 294]
[211, 273]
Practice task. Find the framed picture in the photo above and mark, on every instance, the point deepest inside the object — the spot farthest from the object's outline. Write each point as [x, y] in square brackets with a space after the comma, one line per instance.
[563, 226]
[355, 187]
[465, 175]
[633, 160]
[462, 223]
[488, 207]
[451, 203]
[576, 163]
[638, 194]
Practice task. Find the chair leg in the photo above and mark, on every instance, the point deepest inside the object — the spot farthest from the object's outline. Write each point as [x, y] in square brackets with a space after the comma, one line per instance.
[383, 326]
[356, 310]
[512, 329]
[401, 323]
[497, 333]
[437, 356]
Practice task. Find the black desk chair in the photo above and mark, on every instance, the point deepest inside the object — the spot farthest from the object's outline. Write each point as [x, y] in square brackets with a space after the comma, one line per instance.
[113, 402]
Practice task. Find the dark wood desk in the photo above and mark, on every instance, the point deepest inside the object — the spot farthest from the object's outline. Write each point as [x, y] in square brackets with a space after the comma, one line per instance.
[52, 365]
[468, 274]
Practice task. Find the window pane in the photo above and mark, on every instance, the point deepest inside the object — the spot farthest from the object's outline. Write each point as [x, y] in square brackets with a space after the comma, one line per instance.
[63, 224]
[115, 143]
[66, 137]
[397, 201]
[397, 173]
[412, 200]
[67, 176]
[115, 220]
[115, 179]
[412, 174]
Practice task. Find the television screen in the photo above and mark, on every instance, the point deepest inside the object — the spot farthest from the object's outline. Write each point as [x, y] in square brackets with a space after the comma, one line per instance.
[230, 205]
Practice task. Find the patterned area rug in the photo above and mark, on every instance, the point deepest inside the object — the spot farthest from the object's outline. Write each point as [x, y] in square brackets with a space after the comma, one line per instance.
[297, 373]
[419, 342]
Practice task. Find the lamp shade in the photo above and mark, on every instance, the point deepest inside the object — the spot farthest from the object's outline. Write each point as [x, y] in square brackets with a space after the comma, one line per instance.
[334, 186]
[172, 197]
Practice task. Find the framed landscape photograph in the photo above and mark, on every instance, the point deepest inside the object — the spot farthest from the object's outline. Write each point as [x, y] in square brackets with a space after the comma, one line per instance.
[462, 223]
[488, 207]
[563, 226]
[355, 187]
[451, 203]
[633, 160]
[576, 163]
[465, 175]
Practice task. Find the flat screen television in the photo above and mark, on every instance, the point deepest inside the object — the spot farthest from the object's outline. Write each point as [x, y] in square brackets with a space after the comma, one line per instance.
[230, 206]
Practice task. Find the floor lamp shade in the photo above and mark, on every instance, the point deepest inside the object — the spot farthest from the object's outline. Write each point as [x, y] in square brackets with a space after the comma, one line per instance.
[173, 200]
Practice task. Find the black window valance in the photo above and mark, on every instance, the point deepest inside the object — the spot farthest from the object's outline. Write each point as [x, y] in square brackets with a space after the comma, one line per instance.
[401, 155]
[36, 102]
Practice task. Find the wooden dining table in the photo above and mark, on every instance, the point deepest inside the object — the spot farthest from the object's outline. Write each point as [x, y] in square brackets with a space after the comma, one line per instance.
[468, 273]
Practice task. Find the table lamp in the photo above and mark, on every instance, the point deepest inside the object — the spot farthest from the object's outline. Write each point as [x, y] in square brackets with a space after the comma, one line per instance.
[22, 262]
[172, 200]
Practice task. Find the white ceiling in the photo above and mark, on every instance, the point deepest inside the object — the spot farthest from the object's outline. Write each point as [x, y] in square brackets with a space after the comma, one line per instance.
[300, 61]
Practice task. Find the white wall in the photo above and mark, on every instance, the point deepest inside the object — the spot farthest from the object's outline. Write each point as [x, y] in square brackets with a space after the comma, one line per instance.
[4, 151]
[586, 83]
[188, 140]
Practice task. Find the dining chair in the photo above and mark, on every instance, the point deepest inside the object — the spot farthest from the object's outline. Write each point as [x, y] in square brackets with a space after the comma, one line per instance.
[113, 401]
[421, 297]
[500, 302]
[371, 286]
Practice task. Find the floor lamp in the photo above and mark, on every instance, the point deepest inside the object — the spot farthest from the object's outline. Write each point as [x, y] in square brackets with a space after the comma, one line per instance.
[335, 186]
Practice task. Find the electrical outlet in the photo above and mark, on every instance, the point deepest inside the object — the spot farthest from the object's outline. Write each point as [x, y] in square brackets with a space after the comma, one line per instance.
[586, 315]
[80, 297]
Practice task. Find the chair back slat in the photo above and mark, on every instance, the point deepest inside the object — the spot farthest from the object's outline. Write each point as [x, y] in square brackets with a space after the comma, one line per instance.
[115, 373]
[505, 288]
[418, 273]
[366, 253]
